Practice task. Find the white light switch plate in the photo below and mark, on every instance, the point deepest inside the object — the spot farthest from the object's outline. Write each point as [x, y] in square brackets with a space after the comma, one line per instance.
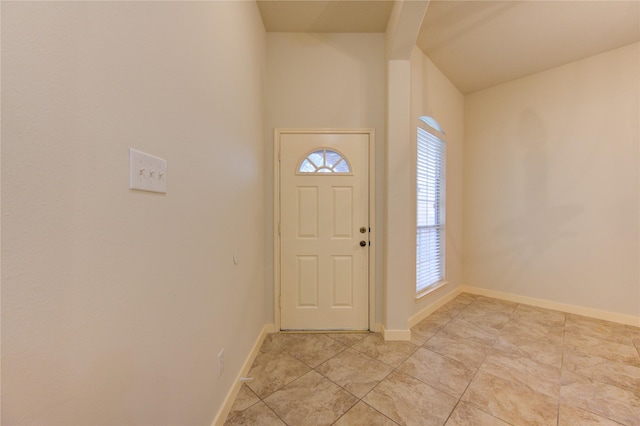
[146, 172]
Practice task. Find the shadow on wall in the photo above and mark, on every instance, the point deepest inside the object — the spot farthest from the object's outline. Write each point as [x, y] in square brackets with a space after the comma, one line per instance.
[541, 223]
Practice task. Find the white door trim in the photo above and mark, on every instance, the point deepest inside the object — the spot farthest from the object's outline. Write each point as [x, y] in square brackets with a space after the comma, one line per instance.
[276, 214]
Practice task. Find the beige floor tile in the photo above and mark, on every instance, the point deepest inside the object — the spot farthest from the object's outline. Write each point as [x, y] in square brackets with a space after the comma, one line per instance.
[310, 400]
[257, 415]
[423, 331]
[597, 323]
[534, 331]
[270, 343]
[466, 297]
[572, 416]
[391, 353]
[363, 415]
[312, 349]
[463, 341]
[272, 370]
[529, 348]
[634, 332]
[510, 401]
[442, 316]
[600, 329]
[347, 339]
[519, 359]
[469, 331]
[408, 401]
[245, 399]
[546, 317]
[496, 305]
[484, 318]
[354, 371]
[536, 376]
[603, 370]
[454, 307]
[466, 414]
[605, 400]
[468, 352]
[609, 350]
[442, 373]
[460, 302]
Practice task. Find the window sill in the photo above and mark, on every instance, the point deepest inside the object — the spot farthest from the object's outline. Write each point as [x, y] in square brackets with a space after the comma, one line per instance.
[427, 291]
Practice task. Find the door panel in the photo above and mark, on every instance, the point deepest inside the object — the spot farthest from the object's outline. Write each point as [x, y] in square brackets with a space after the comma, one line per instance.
[307, 206]
[307, 281]
[342, 281]
[324, 269]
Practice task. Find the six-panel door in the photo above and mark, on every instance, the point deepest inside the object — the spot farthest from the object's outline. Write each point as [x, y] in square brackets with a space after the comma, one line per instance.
[324, 203]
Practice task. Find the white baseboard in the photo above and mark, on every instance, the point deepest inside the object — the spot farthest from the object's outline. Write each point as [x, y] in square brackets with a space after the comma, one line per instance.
[425, 312]
[395, 334]
[237, 384]
[556, 306]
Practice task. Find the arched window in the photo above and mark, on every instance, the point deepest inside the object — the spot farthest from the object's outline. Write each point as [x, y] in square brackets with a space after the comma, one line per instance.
[324, 160]
[430, 203]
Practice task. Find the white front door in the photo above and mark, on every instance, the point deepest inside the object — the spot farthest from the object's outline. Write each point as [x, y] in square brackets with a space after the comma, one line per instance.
[324, 216]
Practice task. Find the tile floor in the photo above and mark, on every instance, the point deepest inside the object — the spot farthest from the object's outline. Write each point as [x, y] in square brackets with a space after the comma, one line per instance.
[475, 361]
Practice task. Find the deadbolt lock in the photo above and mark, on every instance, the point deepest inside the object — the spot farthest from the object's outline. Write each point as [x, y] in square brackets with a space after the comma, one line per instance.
[363, 230]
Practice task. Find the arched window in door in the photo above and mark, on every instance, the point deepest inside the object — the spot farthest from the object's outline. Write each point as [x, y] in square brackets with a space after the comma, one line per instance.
[324, 160]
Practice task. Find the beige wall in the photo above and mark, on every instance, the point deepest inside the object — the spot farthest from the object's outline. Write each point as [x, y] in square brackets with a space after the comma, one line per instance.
[398, 248]
[324, 81]
[551, 185]
[116, 302]
[434, 95]
[399, 204]
[416, 88]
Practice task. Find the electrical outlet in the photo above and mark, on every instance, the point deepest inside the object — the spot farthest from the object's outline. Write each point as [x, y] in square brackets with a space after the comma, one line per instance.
[220, 362]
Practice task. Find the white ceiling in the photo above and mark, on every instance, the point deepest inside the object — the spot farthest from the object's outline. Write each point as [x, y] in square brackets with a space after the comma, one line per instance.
[478, 44]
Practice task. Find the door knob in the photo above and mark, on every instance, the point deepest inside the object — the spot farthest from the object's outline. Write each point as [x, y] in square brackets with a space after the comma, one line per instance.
[363, 243]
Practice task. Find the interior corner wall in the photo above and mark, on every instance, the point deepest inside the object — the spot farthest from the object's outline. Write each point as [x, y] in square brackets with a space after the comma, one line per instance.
[115, 303]
[432, 94]
[551, 185]
[325, 81]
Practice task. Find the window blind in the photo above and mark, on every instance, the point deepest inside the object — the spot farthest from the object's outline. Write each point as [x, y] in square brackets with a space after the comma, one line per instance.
[430, 210]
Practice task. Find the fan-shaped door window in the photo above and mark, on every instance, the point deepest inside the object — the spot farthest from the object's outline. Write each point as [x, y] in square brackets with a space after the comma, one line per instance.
[324, 160]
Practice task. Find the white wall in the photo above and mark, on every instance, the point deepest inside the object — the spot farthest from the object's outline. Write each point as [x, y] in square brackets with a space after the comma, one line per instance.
[551, 185]
[116, 302]
[325, 81]
[435, 96]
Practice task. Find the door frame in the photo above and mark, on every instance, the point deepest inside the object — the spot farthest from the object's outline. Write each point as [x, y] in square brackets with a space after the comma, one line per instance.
[276, 215]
